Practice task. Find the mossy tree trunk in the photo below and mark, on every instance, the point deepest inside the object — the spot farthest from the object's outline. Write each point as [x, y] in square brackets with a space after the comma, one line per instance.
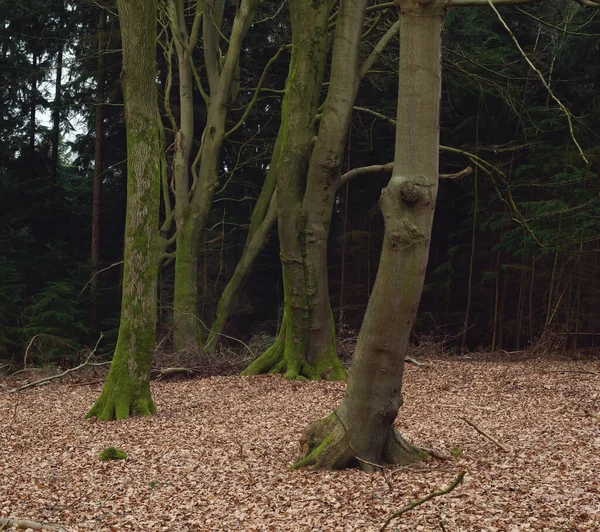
[306, 188]
[127, 390]
[195, 202]
[361, 430]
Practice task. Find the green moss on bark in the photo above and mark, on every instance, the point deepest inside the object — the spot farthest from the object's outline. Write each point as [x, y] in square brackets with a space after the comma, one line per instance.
[127, 389]
[288, 357]
[326, 444]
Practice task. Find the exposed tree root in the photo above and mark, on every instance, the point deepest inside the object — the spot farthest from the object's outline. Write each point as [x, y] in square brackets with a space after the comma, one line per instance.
[325, 444]
[282, 357]
[115, 403]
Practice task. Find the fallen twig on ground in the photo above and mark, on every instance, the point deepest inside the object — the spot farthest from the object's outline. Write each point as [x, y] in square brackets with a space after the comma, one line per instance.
[418, 502]
[437, 454]
[572, 371]
[46, 380]
[25, 523]
[486, 435]
[414, 361]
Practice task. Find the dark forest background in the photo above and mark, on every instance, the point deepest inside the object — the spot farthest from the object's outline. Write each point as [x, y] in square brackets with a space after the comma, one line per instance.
[515, 252]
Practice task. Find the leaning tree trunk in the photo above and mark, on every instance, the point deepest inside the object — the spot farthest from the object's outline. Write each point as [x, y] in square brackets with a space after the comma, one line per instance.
[361, 431]
[306, 347]
[127, 387]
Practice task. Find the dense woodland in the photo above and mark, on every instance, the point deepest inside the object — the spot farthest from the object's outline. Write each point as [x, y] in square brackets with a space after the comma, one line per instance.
[514, 245]
[312, 189]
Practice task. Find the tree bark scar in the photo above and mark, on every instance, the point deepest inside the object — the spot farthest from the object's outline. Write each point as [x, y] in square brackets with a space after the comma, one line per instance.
[410, 193]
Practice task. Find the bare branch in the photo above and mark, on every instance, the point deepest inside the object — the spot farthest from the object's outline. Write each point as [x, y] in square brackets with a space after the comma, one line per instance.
[471, 3]
[96, 275]
[486, 435]
[458, 480]
[379, 48]
[458, 175]
[46, 380]
[566, 112]
[27, 524]
[252, 103]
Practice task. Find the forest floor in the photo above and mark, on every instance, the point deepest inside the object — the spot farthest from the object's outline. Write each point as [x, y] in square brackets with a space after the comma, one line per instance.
[216, 455]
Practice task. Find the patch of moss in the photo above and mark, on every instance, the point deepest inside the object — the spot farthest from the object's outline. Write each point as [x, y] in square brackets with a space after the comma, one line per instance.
[457, 452]
[112, 453]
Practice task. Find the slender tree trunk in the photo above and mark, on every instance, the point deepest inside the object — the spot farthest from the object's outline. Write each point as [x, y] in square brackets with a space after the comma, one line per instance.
[262, 220]
[98, 168]
[56, 116]
[362, 429]
[33, 105]
[127, 387]
[185, 302]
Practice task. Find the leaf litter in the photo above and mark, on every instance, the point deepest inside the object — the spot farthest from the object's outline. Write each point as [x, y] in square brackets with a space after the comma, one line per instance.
[216, 455]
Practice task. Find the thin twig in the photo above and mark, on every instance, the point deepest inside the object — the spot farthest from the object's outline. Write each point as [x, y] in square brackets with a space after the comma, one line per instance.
[418, 502]
[486, 435]
[566, 112]
[46, 380]
[96, 275]
[37, 336]
[572, 371]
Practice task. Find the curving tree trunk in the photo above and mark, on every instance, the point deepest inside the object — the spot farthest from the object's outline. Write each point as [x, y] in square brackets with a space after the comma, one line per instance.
[361, 431]
[306, 347]
[127, 389]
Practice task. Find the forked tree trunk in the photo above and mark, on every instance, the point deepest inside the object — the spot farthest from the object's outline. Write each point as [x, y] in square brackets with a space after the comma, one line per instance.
[127, 387]
[306, 347]
[191, 218]
[362, 429]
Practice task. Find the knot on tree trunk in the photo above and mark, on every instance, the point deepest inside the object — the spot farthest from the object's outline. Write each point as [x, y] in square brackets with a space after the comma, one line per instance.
[416, 190]
[410, 193]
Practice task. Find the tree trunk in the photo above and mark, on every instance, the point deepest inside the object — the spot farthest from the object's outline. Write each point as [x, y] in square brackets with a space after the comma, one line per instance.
[362, 429]
[192, 218]
[306, 347]
[33, 104]
[262, 220]
[98, 166]
[127, 389]
[56, 116]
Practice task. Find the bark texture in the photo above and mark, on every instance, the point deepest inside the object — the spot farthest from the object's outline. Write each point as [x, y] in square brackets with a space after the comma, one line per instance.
[191, 214]
[306, 347]
[362, 429]
[126, 390]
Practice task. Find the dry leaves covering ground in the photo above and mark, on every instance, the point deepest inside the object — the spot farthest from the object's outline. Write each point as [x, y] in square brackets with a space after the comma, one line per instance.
[216, 456]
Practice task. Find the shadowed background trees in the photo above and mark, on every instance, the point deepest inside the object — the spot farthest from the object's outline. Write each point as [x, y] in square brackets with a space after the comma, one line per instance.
[514, 248]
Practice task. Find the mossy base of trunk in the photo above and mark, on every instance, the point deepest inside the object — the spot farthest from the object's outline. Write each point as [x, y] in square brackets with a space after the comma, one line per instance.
[285, 359]
[325, 445]
[121, 403]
